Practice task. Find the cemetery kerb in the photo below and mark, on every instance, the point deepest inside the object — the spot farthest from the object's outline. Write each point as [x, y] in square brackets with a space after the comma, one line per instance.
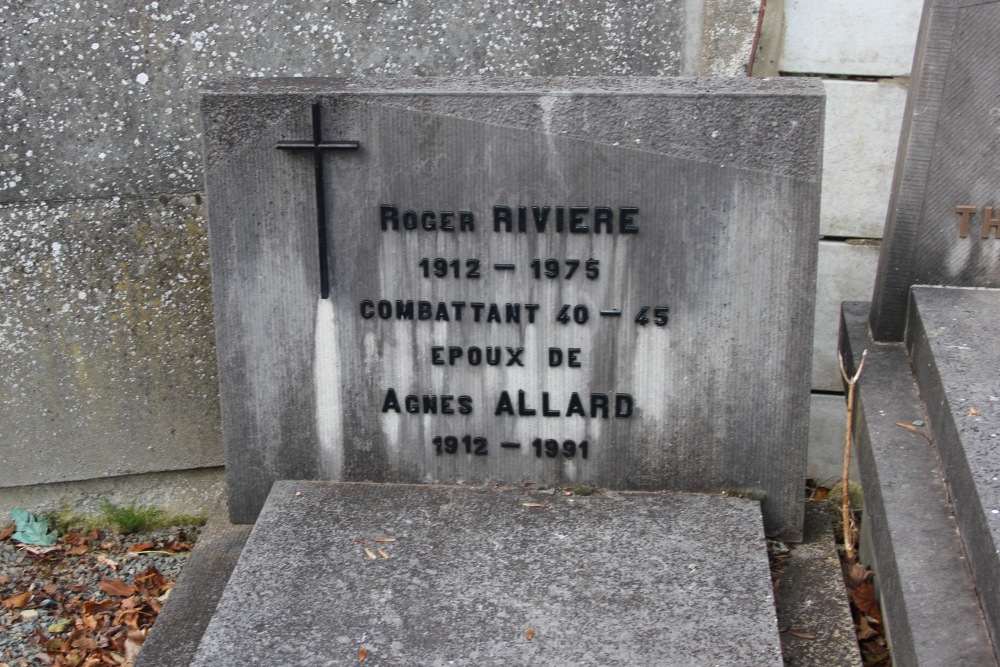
[557, 281]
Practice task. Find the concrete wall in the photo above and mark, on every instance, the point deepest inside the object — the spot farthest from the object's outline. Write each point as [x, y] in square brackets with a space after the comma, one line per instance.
[107, 366]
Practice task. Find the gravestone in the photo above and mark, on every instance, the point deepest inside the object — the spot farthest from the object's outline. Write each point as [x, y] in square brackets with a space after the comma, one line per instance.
[943, 222]
[930, 375]
[548, 281]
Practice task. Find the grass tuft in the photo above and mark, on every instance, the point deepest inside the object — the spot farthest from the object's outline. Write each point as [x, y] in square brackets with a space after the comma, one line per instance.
[130, 518]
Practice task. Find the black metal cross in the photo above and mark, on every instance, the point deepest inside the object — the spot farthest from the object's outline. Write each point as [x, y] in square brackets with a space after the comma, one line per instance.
[317, 145]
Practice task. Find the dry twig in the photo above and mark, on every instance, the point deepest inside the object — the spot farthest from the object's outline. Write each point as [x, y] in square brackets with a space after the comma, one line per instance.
[845, 511]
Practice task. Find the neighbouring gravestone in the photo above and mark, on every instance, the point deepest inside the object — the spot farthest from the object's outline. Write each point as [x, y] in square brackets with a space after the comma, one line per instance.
[557, 281]
[930, 366]
[943, 222]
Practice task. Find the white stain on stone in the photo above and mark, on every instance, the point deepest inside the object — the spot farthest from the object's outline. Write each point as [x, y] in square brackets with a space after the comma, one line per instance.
[327, 381]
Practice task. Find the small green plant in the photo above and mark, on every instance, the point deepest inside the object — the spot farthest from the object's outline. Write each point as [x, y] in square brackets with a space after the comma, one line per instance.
[583, 490]
[130, 518]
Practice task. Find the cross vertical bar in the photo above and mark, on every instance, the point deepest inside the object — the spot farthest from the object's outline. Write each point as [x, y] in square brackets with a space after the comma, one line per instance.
[324, 261]
[318, 146]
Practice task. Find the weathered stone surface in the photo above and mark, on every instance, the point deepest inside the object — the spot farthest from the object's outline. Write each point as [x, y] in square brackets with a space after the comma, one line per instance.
[931, 611]
[101, 100]
[945, 161]
[873, 39]
[812, 601]
[863, 121]
[617, 579]
[827, 419]
[174, 638]
[951, 340]
[106, 340]
[725, 178]
[844, 272]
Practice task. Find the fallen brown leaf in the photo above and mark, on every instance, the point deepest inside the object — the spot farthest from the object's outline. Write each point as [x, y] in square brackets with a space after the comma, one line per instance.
[972, 412]
[142, 546]
[821, 493]
[864, 598]
[529, 634]
[104, 560]
[385, 539]
[78, 551]
[116, 587]
[7, 532]
[865, 631]
[17, 601]
[362, 654]
[802, 635]
[857, 575]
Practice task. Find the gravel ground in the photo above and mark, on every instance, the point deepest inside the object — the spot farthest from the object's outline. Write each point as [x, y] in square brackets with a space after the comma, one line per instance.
[88, 600]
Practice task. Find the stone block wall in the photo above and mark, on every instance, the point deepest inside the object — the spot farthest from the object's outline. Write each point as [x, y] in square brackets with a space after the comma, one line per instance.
[864, 53]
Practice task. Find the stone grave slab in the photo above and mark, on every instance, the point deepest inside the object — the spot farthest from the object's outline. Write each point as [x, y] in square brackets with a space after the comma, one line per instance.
[910, 533]
[496, 576]
[950, 337]
[943, 221]
[548, 280]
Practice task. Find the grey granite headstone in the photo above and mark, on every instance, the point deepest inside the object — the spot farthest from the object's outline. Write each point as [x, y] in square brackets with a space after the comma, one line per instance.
[430, 575]
[549, 280]
[943, 222]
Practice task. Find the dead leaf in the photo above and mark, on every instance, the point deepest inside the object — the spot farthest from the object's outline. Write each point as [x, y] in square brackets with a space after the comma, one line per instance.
[116, 587]
[133, 642]
[381, 552]
[821, 493]
[972, 412]
[17, 601]
[104, 560]
[529, 634]
[362, 654]
[908, 427]
[802, 635]
[7, 532]
[542, 505]
[864, 598]
[385, 539]
[142, 546]
[865, 631]
[857, 575]
[370, 553]
[78, 551]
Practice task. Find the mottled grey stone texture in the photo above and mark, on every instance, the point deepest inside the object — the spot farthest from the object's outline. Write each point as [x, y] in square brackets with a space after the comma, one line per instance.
[725, 174]
[951, 337]
[931, 611]
[617, 579]
[101, 100]
[945, 159]
[106, 341]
